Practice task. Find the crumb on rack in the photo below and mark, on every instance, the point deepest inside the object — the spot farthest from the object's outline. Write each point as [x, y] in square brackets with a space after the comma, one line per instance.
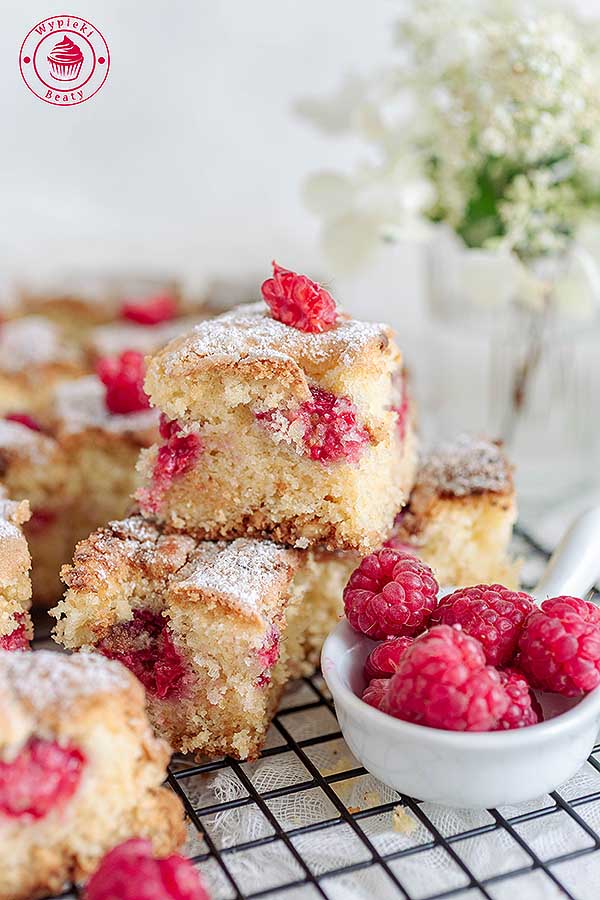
[402, 820]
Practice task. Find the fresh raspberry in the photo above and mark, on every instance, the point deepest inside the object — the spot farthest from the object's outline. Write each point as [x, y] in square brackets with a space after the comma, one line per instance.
[442, 681]
[383, 661]
[559, 649]
[151, 311]
[375, 693]
[44, 775]
[390, 594]
[523, 707]
[130, 872]
[123, 377]
[24, 419]
[175, 457]
[297, 301]
[268, 655]
[330, 430]
[17, 639]
[489, 612]
[145, 646]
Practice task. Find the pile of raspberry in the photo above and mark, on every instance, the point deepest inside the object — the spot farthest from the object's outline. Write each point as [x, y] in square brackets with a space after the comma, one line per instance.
[472, 660]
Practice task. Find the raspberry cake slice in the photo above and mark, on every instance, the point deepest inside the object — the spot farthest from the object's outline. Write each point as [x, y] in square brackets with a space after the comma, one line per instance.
[461, 513]
[214, 630]
[34, 357]
[80, 472]
[267, 429]
[101, 444]
[80, 770]
[15, 584]
[33, 467]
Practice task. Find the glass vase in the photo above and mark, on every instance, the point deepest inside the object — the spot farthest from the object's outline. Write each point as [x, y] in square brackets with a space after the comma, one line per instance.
[514, 353]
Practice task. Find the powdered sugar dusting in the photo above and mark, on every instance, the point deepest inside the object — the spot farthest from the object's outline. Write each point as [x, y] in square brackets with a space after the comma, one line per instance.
[46, 678]
[31, 341]
[466, 465]
[17, 438]
[248, 332]
[241, 571]
[8, 530]
[137, 529]
[79, 404]
[12, 514]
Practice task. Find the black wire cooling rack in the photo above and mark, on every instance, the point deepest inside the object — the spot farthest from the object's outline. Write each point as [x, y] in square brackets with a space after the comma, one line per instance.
[493, 854]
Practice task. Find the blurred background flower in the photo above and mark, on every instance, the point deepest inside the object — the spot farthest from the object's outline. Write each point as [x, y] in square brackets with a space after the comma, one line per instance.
[487, 118]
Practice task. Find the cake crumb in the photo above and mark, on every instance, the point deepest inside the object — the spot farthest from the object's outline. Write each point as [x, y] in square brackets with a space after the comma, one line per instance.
[402, 820]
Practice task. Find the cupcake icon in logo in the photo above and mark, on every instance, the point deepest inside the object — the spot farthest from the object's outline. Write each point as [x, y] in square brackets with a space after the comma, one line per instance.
[65, 60]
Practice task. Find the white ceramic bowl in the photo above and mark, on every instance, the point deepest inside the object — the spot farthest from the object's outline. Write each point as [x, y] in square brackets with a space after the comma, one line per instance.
[475, 770]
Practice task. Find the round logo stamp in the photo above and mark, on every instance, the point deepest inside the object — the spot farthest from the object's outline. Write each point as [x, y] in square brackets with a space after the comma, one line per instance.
[64, 60]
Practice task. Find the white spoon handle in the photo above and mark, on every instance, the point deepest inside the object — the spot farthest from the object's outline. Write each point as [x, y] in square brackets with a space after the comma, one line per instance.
[575, 564]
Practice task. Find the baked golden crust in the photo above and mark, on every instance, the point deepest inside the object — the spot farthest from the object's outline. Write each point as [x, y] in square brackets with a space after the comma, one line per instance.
[248, 578]
[247, 341]
[97, 706]
[462, 467]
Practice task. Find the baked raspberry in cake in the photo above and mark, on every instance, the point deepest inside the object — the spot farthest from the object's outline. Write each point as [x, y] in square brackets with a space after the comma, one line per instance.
[213, 630]
[80, 770]
[33, 467]
[461, 513]
[280, 430]
[34, 357]
[15, 584]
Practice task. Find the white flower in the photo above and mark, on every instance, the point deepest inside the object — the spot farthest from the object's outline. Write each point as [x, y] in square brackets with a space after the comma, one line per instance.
[504, 124]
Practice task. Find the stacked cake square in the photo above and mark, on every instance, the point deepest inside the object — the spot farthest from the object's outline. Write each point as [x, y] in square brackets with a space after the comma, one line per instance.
[287, 447]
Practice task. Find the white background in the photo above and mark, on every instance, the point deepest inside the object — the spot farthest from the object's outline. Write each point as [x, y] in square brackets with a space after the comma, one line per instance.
[190, 157]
